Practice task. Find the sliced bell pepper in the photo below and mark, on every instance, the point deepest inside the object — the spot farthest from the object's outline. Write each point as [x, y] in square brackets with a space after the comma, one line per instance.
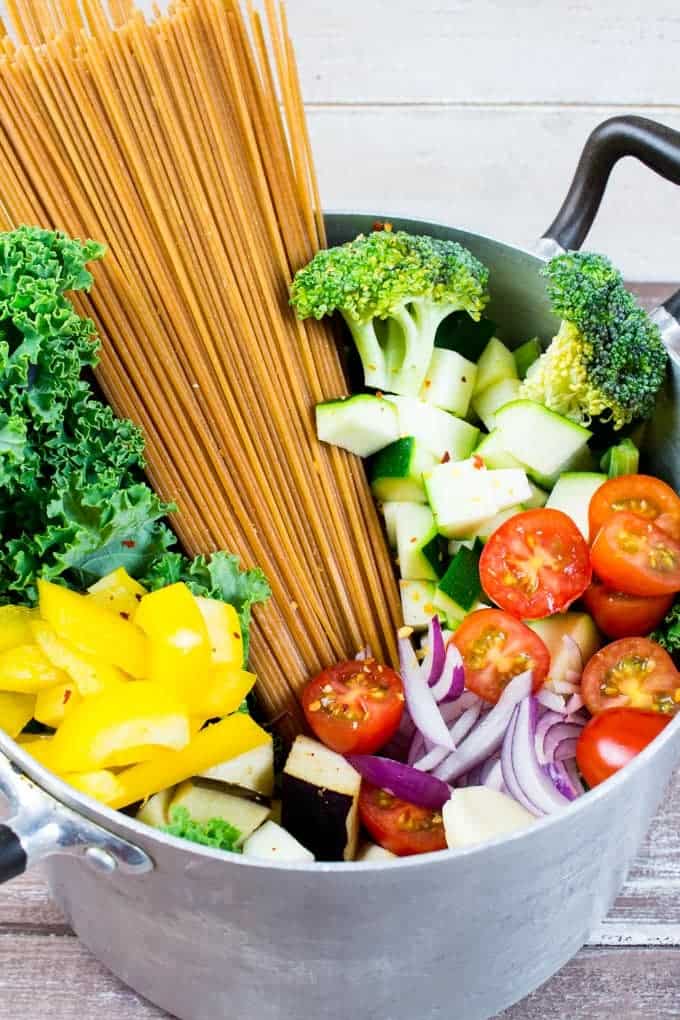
[214, 744]
[224, 631]
[101, 784]
[25, 669]
[89, 674]
[223, 690]
[39, 746]
[117, 591]
[15, 626]
[15, 711]
[93, 629]
[110, 727]
[53, 705]
[178, 639]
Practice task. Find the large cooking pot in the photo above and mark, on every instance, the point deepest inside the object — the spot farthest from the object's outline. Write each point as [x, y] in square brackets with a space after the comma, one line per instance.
[208, 935]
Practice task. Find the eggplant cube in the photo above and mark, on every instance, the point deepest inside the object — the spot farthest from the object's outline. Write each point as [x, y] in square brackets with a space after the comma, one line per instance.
[320, 801]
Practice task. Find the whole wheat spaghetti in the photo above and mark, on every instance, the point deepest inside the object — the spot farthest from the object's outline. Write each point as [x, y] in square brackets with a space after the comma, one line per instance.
[182, 144]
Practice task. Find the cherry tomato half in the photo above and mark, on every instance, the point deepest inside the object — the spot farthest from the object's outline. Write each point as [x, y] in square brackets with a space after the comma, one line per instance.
[495, 648]
[535, 564]
[631, 673]
[633, 556]
[611, 739]
[641, 495]
[355, 706]
[398, 826]
[618, 615]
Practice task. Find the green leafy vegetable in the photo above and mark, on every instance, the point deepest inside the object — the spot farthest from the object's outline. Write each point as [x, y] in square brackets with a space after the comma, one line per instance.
[215, 833]
[73, 500]
[667, 633]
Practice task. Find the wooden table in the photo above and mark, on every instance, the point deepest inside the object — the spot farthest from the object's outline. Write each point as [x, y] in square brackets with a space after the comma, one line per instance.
[629, 970]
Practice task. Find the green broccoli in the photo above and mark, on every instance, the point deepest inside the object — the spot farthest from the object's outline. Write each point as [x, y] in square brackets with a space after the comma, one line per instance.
[667, 634]
[393, 289]
[607, 361]
[215, 833]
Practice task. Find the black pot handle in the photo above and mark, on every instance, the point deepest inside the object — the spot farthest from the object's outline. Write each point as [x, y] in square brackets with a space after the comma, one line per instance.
[654, 144]
[13, 857]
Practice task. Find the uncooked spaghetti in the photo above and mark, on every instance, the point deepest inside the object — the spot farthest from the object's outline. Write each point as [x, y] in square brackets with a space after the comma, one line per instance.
[181, 143]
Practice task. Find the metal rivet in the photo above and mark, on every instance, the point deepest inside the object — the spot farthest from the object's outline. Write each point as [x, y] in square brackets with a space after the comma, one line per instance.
[100, 860]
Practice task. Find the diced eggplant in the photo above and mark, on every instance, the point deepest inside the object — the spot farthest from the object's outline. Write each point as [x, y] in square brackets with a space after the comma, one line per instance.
[271, 842]
[372, 852]
[156, 810]
[207, 802]
[253, 770]
[320, 800]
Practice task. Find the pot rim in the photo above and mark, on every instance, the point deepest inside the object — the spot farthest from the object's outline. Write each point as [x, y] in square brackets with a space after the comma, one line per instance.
[95, 811]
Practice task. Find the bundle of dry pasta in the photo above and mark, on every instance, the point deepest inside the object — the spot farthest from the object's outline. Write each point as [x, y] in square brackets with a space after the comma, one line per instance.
[181, 143]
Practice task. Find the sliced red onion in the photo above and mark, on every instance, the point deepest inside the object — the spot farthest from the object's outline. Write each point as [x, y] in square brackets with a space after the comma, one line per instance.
[421, 704]
[458, 731]
[574, 657]
[417, 748]
[451, 683]
[561, 779]
[487, 737]
[453, 710]
[575, 704]
[549, 699]
[571, 769]
[510, 780]
[566, 750]
[546, 721]
[562, 733]
[433, 663]
[564, 687]
[401, 781]
[492, 774]
[529, 776]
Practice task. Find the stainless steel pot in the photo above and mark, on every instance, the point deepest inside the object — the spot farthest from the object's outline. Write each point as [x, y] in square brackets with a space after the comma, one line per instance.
[207, 935]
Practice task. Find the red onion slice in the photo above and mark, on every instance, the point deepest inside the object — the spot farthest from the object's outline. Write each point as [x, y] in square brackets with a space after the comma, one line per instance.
[451, 683]
[458, 732]
[421, 704]
[453, 710]
[536, 786]
[433, 663]
[510, 780]
[487, 737]
[548, 698]
[492, 774]
[561, 779]
[574, 657]
[571, 769]
[401, 780]
[545, 723]
[417, 748]
[563, 732]
[566, 750]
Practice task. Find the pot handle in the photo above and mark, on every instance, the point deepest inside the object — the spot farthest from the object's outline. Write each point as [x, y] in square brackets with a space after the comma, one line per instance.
[39, 826]
[654, 144]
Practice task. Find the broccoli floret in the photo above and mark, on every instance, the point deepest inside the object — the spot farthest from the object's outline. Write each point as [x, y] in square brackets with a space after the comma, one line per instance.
[667, 634]
[215, 833]
[607, 361]
[393, 289]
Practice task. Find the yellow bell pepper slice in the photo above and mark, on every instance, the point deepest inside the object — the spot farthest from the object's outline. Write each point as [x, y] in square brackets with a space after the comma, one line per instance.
[223, 690]
[93, 629]
[178, 637]
[224, 631]
[25, 669]
[39, 746]
[15, 711]
[118, 592]
[110, 727]
[100, 784]
[214, 744]
[15, 626]
[89, 675]
[53, 705]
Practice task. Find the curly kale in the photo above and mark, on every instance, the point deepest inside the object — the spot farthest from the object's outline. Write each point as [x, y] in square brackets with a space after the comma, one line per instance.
[607, 361]
[393, 289]
[667, 634]
[74, 503]
[217, 833]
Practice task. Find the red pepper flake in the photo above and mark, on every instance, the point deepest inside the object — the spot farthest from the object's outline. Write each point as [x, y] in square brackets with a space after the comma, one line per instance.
[428, 383]
[477, 462]
[138, 596]
[446, 458]
[379, 394]
[236, 636]
[67, 694]
[128, 543]
[379, 225]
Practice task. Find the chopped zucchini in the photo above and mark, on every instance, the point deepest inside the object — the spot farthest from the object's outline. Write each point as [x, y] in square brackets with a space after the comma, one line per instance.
[544, 442]
[320, 799]
[622, 459]
[579, 627]
[496, 363]
[525, 355]
[362, 424]
[572, 495]
[421, 550]
[494, 397]
[487, 528]
[373, 852]
[492, 453]
[390, 512]
[463, 495]
[417, 603]
[449, 382]
[458, 332]
[538, 498]
[396, 473]
[461, 581]
[271, 842]
[439, 432]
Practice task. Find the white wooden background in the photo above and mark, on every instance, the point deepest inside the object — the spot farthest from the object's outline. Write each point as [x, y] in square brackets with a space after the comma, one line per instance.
[473, 111]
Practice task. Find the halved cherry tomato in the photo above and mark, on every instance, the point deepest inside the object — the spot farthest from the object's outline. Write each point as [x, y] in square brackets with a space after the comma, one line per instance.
[535, 564]
[641, 495]
[631, 673]
[635, 557]
[618, 615]
[495, 648]
[611, 739]
[355, 706]
[398, 826]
